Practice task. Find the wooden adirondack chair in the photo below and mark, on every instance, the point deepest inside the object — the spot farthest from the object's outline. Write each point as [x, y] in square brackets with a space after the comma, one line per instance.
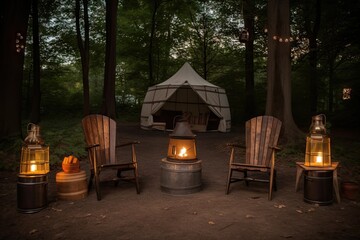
[100, 137]
[261, 137]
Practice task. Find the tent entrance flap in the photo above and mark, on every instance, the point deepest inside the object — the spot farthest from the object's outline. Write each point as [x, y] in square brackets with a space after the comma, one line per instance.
[187, 104]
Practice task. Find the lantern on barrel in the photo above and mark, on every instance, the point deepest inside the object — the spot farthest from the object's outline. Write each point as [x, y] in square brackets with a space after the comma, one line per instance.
[182, 146]
[181, 169]
[32, 178]
[317, 153]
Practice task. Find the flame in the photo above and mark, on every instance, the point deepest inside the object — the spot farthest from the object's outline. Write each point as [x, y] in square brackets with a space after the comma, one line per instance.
[183, 152]
[319, 159]
[33, 168]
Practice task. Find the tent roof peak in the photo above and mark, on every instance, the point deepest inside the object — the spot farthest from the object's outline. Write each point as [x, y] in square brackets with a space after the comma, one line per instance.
[187, 74]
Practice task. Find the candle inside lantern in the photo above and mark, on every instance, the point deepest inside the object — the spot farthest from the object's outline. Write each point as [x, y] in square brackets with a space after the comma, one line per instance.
[33, 168]
[319, 158]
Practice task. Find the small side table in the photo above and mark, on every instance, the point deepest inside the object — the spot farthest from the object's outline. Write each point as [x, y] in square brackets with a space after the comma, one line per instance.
[300, 168]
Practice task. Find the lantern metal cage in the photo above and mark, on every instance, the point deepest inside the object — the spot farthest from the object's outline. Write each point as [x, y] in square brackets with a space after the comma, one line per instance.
[34, 161]
[182, 144]
[182, 149]
[318, 153]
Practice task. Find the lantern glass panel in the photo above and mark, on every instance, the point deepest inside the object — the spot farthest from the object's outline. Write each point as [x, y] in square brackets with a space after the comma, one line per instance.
[317, 152]
[34, 160]
[182, 149]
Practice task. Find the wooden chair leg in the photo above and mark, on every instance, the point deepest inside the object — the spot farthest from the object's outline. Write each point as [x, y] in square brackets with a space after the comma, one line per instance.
[275, 185]
[97, 187]
[137, 181]
[91, 179]
[228, 181]
[271, 184]
[97, 183]
[136, 174]
[245, 178]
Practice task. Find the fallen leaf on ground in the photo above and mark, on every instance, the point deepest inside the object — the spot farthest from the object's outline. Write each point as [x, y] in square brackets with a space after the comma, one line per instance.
[33, 231]
[299, 211]
[311, 210]
[211, 223]
[280, 206]
[249, 216]
[57, 209]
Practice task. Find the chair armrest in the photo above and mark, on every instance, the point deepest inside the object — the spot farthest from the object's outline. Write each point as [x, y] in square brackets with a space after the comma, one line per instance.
[127, 144]
[92, 146]
[276, 148]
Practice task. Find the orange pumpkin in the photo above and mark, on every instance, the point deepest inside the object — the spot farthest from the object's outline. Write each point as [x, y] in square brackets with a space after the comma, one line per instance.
[71, 164]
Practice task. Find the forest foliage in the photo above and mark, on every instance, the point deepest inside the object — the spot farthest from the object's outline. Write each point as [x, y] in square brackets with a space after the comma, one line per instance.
[155, 38]
[204, 33]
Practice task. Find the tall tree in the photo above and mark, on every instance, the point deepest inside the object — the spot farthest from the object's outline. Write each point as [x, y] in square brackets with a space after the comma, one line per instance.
[14, 15]
[250, 106]
[312, 26]
[155, 6]
[36, 93]
[83, 45]
[108, 105]
[278, 102]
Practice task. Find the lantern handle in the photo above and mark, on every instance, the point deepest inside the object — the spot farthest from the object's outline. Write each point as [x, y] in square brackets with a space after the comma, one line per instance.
[29, 126]
[324, 118]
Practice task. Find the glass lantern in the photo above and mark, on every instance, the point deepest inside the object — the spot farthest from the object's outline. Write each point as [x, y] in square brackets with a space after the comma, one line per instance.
[182, 145]
[317, 153]
[244, 35]
[34, 161]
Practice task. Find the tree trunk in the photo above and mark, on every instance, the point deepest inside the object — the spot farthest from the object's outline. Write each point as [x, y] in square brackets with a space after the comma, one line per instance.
[108, 106]
[155, 6]
[84, 52]
[312, 33]
[250, 106]
[278, 102]
[14, 15]
[36, 93]
[331, 62]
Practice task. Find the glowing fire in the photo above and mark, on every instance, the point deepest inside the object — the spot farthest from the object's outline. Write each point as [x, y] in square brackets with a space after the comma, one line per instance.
[33, 168]
[319, 158]
[183, 152]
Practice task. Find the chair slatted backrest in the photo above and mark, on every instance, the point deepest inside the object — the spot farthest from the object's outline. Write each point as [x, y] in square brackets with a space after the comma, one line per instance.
[261, 132]
[100, 129]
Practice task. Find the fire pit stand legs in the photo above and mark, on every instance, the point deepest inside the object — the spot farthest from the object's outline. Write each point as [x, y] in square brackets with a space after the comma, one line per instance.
[180, 178]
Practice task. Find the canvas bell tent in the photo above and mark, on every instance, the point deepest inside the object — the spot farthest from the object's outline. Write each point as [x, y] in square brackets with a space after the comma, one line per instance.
[186, 95]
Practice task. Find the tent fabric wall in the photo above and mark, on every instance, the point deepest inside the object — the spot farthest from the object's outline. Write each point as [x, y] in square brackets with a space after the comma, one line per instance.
[186, 91]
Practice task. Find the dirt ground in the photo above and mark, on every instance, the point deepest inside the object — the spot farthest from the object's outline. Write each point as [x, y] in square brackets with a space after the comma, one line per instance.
[208, 214]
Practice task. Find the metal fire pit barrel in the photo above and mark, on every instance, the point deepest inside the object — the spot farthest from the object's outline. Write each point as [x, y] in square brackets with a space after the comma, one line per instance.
[318, 187]
[31, 193]
[180, 178]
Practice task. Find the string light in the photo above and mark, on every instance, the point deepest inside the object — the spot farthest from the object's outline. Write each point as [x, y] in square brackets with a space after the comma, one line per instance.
[281, 39]
[19, 42]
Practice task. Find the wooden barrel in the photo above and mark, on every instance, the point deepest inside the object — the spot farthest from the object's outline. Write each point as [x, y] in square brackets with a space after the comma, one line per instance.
[180, 178]
[71, 186]
[318, 187]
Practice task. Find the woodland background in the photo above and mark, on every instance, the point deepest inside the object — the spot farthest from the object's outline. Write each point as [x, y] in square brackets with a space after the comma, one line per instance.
[75, 57]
